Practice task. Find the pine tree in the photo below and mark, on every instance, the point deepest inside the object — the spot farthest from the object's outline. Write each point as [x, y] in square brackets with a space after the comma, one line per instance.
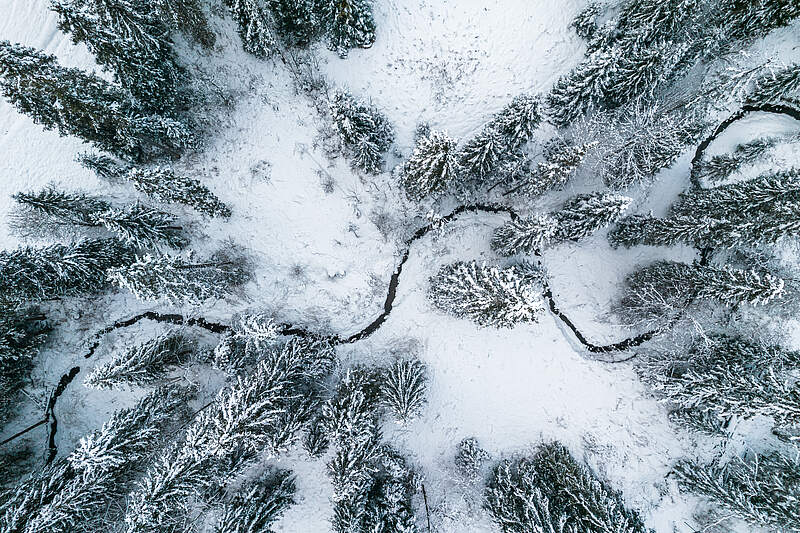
[651, 231]
[552, 493]
[297, 20]
[483, 153]
[59, 270]
[22, 332]
[761, 489]
[365, 131]
[258, 505]
[720, 167]
[525, 235]
[489, 296]
[256, 26]
[159, 183]
[141, 226]
[432, 166]
[727, 376]
[188, 17]
[783, 85]
[75, 103]
[470, 458]
[403, 389]
[560, 162]
[130, 39]
[179, 279]
[143, 364]
[585, 22]
[347, 24]
[519, 119]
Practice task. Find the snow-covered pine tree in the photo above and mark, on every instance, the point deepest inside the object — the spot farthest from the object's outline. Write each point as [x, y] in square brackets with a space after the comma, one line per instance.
[775, 87]
[488, 295]
[131, 40]
[22, 332]
[403, 389]
[363, 129]
[180, 279]
[76, 103]
[298, 20]
[256, 26]
[665, 287]
[729, 376]
[188, 17]
[143, 364]
[73, 494]
[316, 440]
[159, 183]
[561, 160]
[141, 226]
[525, 235]
[483, 153]
[586, 213]
[350, 414]
[258, 504]
[60, 270]
[347, 24]
[432, 166]
[585, 22]
[470, 458]
[761, 489]
[720, 167]
[648, 230]
[746, 20]
[519, 119]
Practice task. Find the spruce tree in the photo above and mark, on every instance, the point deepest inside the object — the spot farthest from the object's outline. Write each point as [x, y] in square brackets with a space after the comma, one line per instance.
[256, 26]
[159, 183]
[364, 131]
[258, 504]
[187, 16]
[774, 87]
[143, 364]
[519, 119]
[727, 376]
[347, 24]
[60, 270]
[297, 20]
[75, 103]
[761, 489]
[561, 160]
[432, 166]
[130, 39]
[180, 278]
[141, 226]
[525, 235]
[483, 153]
[403, 389]
[470, 458]
[720, 167]
[489, 296]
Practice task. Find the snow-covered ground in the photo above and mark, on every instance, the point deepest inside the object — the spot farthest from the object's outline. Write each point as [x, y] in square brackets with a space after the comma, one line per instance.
[310, 225]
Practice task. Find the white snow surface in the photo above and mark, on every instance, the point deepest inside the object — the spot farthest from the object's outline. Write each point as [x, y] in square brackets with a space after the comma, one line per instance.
[322, 261]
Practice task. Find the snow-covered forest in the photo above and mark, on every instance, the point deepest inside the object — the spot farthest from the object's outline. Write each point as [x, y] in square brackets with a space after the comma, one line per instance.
[372, 266]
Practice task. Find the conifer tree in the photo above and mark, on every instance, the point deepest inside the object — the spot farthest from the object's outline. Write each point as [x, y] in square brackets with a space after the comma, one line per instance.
[483, 153]
[579, 217]
[60, 270]
[347, 24]
[728, 376]
[256, 26]
[188, 17]
[159, 183]
[130, 39]
[258, 505]
[585, 22]
[552, 493]
[298, 20]
[470, 458]
[180, 278]
[432, 166]
[719, 167]
[782, 85]
[761, 489]
[141, 226]
[365, 131]
[489, 296]
[519, 119]
[561, 160]
[143, 364]
[403, 389]
[75, 103]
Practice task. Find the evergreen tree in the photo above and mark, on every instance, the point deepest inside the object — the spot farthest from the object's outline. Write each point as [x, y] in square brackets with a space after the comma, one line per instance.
[489, 296]
[432, 166]
[470, 458]
[130, 39]
[720, 167]
[651, 231]
[75, 103]
[258, 505]
[143, 364]
[483, 153]
[365, 131]
[761, 489]
[256, 26]
[403, 389]
[552, 493]
[585, 22]
[561, 160]
[141, 226]
[159, 183]
[347, 24]
[667, 286]
[188, 17]
[179, 278]
[732, 376]
[519, 119]
[783, 85]
[316, 440]
[297, 20]
[22, 332]
[60, 270]
[579, 217]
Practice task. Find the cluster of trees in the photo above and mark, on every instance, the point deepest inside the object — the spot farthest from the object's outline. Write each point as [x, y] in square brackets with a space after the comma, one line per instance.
[578, 218]
[552, 493]
[365, 132]
[263, 24]
[488, 295]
